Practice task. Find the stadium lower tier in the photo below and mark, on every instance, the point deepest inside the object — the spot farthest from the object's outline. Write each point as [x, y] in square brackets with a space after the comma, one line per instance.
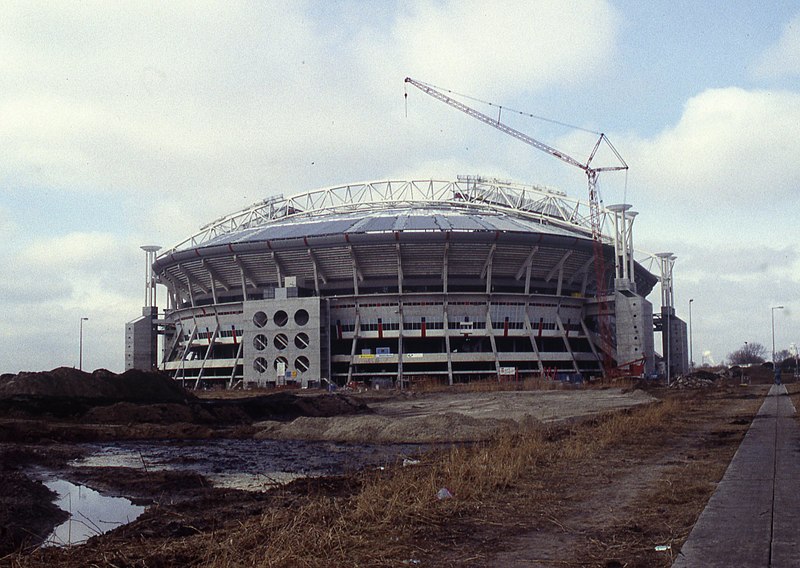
[380, 339]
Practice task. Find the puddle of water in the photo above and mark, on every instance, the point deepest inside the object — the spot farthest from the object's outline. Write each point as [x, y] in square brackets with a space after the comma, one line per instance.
[90, 513]
[254, 465]
[250, 482]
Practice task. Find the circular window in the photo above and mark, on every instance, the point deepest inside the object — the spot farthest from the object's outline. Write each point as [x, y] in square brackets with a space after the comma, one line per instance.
[260, 319]
[301, 364]
[281, 318]
[301, 317]
[281, 341]
[281, 361]
[301, 340]
[260, 342]
[260, 365]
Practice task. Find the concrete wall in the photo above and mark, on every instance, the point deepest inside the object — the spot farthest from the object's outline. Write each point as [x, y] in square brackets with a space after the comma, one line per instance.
[634, 329]
[677, 352]
[285, 334]
[141, 341]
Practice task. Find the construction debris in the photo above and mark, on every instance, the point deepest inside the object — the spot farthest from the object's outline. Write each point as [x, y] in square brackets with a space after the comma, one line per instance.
[699, 379]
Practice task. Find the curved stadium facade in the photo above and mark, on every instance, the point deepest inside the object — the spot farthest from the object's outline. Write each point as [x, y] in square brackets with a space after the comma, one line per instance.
[398, 281]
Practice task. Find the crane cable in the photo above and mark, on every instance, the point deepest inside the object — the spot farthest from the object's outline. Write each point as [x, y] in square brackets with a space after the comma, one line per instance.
[527, 114]
[501, 108]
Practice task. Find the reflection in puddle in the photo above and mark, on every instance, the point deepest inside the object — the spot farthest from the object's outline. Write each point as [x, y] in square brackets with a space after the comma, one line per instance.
[253, 465]
[90, 513]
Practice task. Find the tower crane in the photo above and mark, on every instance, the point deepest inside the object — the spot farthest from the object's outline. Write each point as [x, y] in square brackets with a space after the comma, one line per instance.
[592, 174]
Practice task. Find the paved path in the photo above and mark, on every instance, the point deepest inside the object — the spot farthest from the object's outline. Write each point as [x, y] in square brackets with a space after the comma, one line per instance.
[753, 517]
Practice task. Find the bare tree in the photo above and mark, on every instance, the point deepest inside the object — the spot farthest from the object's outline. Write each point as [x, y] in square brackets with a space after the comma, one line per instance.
[749, 354]
[782, 355]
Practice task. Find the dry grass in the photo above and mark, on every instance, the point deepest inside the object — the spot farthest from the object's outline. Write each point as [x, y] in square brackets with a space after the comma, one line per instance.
[378, 525]
[524, 383]
[391, 517]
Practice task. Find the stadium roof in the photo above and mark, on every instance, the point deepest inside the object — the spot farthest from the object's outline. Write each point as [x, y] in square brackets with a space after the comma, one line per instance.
[411, 219]
[471, 203]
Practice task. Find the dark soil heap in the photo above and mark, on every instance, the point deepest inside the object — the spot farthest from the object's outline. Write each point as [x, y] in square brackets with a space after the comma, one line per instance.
[101, 385]
[139, 397]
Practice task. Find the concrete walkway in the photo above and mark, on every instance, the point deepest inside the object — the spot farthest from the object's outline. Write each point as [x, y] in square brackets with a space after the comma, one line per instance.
[753, 517]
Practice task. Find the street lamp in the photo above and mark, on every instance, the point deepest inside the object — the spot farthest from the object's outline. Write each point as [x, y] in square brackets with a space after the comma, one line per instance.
[773, 332]
[691, 359]
[80, 348]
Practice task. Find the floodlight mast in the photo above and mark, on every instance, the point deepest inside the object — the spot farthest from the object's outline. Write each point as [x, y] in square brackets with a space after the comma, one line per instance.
[592, 174]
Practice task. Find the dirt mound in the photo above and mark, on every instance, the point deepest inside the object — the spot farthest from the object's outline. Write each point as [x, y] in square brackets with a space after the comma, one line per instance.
[351, 429]
[68, 383]
[447, 427]
[139, 413]
[439, 428]
[287, 406]
[67, 404]
[27, 514]
[451, 417]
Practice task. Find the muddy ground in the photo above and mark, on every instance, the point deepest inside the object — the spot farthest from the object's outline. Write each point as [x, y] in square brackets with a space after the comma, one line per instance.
[599, 512]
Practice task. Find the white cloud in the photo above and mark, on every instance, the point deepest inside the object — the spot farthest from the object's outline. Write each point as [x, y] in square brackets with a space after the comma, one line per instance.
[782, 59]
[771, 267]
[72, 252]
[718, 189]
[150, 97]
[8, 226]
[505, 47]
[732, 149]
[191, 102]
[52, 282]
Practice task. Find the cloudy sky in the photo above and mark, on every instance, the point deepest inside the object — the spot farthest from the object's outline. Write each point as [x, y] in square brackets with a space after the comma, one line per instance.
[127, 123]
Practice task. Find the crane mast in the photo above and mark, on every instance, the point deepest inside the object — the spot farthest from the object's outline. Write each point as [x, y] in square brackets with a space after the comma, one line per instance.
[592, 174]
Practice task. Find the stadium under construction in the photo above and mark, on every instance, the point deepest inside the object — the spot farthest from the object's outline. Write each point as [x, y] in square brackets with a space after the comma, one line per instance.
[390, 282]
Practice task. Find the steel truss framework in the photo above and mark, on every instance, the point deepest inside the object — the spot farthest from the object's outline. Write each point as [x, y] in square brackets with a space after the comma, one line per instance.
[529, 201]
[539, 203]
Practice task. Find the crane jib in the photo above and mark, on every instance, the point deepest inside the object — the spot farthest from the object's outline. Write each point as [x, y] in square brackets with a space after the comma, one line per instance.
[594, 205]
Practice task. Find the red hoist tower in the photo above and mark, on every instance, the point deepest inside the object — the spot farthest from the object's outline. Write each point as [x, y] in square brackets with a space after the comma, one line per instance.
[592, 174]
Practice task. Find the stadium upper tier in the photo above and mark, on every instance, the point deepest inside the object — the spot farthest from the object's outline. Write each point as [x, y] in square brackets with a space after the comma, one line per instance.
[380, 228]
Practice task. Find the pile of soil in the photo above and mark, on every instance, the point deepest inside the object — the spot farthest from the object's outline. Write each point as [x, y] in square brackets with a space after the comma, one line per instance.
[446, 427]
[283, 406]
[27, 514]
[66, 404]
[27, 511]
[101, 385]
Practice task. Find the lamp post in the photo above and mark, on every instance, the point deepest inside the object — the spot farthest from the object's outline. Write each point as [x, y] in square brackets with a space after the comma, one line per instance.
[691, 359]
[80, 348]
[773, 332]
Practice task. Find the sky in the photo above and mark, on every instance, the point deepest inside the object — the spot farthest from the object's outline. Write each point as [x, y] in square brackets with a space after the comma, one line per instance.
[125, 123]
